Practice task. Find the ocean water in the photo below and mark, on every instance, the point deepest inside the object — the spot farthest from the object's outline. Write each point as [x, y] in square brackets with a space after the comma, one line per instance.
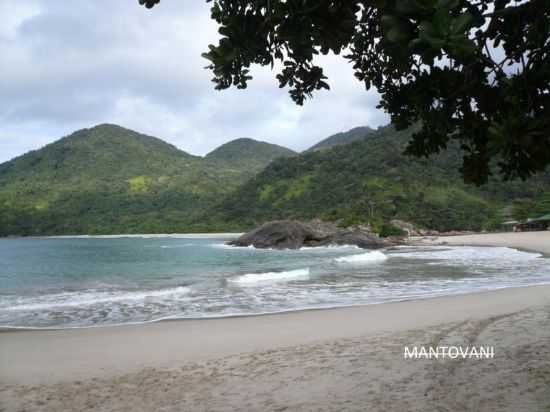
[82, 282]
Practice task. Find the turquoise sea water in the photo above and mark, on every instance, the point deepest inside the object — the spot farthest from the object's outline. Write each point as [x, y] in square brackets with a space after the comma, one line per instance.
[75, 282]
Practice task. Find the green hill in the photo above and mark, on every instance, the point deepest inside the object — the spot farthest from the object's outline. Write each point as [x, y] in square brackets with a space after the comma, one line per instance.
[353, 135]
[108, 179]
[370, 180]
[255, 154]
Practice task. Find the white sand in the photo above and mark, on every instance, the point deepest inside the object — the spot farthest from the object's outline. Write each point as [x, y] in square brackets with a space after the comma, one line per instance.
[347, 359]
[536, 241]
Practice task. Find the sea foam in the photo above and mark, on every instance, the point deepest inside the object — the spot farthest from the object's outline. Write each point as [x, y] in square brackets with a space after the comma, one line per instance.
[71, 299]
[471, 253]
[253, 278]
[368, 257]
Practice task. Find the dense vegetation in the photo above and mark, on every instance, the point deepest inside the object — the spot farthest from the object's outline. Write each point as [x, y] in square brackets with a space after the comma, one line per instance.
[108, 179]
[357, 133]
[372, 181]
[244, 151]
[112, 180]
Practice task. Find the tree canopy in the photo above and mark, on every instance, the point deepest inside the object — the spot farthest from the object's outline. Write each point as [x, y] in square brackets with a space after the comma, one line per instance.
[472, 71]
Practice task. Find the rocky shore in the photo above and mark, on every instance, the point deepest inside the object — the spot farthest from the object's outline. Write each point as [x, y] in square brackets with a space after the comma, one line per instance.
[291, 234]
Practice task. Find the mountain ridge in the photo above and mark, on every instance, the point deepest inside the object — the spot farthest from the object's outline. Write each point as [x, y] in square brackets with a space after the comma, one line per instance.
[342, 138]
[257, 154]
[110, 179]
[371, 180]
[221, 152]
[80, 145]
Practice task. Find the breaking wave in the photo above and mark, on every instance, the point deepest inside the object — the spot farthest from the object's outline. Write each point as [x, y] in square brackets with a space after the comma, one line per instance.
[253, 278]
[72, 299]
[468, 254]
[374, 256]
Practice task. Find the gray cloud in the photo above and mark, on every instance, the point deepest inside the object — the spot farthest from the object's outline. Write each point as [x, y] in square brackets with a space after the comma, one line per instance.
[69, 65]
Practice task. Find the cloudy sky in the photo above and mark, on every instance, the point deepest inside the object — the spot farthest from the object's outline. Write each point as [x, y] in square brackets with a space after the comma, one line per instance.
[69, 65]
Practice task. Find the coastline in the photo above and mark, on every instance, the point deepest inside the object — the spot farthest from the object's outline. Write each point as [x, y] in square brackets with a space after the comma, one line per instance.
[325, 359]
[529, 241]
[107, 351]
[538, 242]
[341, 359]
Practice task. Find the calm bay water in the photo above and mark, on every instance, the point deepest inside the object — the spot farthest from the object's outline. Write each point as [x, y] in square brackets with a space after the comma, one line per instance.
[74, 282]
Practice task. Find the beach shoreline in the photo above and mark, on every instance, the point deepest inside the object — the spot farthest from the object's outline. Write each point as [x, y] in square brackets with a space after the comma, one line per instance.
[325, 359]
[529, 241]
[22, 351]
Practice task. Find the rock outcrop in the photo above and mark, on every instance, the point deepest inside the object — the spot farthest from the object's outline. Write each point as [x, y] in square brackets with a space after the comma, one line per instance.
[415, 231]
[291, 234]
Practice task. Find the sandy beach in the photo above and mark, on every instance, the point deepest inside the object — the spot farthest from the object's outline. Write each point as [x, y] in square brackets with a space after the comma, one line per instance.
[535, 241]
[348, 359]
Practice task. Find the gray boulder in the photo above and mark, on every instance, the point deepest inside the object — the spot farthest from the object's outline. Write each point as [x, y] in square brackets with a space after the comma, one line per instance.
[279, 234]
[291, 234]
[358, 238]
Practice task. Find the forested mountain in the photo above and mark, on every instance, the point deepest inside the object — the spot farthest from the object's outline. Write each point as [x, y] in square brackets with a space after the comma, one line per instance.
[353, 135]
[255, 154]
[108, 179]
[371, 180]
